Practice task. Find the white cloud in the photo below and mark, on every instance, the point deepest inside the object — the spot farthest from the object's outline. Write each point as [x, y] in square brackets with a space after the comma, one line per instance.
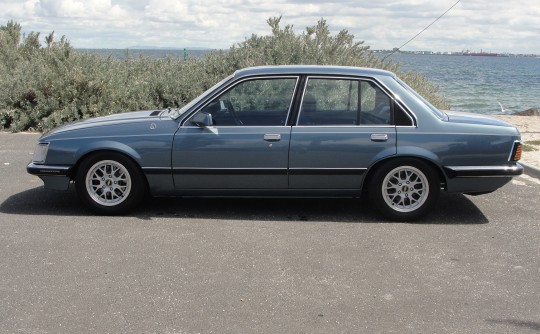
[80, 9]
[15, 8]
[496, 25]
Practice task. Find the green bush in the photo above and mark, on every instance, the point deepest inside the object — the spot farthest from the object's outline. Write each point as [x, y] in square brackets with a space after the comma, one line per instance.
[42, 87]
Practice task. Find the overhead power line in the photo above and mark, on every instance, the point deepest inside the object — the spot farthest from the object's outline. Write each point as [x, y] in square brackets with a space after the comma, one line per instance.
[426, 28]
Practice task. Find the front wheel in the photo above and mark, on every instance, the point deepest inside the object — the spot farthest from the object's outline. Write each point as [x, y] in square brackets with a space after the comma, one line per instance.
[110, 183]
[404, 189]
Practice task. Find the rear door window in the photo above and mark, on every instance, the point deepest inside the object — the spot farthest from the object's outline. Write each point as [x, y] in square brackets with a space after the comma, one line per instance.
[329, 102]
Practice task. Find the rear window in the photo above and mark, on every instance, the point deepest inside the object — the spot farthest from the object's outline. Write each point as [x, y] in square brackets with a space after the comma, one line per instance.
[431, 107]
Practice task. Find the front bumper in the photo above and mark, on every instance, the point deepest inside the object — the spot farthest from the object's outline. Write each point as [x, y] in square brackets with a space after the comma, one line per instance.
[53, 177]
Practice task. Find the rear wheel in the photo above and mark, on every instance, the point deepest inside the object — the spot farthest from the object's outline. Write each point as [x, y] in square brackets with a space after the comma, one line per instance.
[110, 183]
[404, 189]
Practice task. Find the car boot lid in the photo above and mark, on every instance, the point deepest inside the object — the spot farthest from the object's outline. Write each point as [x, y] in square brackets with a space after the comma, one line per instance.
[470, 118]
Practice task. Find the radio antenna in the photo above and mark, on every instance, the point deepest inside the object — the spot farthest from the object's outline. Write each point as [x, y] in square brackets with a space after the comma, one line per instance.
[426, 28]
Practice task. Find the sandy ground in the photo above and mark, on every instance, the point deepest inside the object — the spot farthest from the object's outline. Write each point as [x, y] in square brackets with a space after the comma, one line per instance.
[529, 126]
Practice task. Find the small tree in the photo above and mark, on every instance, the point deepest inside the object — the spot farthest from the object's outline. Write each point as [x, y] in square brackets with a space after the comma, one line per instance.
[315, 46]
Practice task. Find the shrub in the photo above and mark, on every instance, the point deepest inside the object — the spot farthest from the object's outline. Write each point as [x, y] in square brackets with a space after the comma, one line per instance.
[315, 46]
[42, 87]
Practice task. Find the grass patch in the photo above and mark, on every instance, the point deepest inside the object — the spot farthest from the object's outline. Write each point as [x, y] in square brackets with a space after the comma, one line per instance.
[529, 148]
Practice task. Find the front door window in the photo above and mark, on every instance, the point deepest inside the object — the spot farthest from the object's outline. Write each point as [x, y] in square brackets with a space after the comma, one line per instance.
[263, 102]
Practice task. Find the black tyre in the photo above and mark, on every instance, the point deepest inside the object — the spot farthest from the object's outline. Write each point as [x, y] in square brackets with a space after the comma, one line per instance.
[404, 189]
[110, 183]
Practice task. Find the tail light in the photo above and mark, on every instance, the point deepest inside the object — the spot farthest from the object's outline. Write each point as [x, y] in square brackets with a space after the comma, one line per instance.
[516, 151]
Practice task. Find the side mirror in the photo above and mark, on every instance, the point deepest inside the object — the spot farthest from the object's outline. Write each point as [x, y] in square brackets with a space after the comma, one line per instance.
[202, 120]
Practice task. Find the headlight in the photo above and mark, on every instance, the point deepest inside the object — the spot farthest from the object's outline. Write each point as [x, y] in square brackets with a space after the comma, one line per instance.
[40, 153]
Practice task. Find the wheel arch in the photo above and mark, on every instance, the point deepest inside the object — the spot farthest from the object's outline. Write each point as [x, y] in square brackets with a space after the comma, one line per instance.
[373, 168]
[107, 145]
[89, 153]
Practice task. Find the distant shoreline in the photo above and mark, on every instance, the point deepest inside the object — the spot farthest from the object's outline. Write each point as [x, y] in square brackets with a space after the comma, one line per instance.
[456, 53]
[199, 52]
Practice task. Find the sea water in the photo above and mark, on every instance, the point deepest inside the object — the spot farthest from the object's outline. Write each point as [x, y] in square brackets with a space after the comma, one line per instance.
[487, 85]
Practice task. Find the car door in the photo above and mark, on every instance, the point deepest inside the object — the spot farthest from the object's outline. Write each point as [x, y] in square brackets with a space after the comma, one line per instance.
[344, 125]
[239, 139]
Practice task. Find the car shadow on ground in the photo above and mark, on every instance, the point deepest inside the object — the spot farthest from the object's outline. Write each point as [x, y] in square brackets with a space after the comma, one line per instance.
[532, 325]
[450, 209]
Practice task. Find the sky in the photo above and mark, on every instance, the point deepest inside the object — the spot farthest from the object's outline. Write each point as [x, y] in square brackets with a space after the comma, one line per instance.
[475, 25]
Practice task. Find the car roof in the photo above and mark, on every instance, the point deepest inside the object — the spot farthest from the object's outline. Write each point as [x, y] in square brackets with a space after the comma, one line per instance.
[312, 70]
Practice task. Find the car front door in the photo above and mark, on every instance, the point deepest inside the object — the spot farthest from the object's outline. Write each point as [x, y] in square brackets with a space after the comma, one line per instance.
[344, 125]
[238, 140]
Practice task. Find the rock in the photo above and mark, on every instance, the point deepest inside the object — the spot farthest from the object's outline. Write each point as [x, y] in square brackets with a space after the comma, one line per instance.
[528, 112]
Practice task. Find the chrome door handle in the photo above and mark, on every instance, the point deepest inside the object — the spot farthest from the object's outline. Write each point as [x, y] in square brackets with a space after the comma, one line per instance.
[379, 137]
[272, 137]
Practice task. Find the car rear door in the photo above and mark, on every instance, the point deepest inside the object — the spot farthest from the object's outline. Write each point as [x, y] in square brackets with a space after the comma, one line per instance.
[344, 125]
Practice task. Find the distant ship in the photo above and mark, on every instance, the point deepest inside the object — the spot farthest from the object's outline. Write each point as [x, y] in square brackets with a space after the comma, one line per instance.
[480, 54]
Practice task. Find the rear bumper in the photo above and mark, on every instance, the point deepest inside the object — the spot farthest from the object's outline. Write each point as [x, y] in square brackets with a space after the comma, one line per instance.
[483, 171]
[479, 179]
[53, 177]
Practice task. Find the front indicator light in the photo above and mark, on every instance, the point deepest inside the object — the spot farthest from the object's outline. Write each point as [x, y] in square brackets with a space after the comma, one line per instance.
[40, 153]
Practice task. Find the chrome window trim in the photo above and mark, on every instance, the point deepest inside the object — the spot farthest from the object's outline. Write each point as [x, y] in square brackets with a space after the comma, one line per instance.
[236, 83]
[397, 100]
[406, 126]
[347, 126]
[419, 98]
[357, 132]
[197, 100]
[239, 126]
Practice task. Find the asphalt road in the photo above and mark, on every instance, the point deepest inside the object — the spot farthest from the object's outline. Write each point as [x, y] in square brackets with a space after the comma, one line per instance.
[264, 265]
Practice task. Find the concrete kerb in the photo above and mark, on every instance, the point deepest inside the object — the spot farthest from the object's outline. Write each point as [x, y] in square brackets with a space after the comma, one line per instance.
[531, 170]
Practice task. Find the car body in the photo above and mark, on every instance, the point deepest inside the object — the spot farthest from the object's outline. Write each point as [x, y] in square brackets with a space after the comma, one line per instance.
[285, 131]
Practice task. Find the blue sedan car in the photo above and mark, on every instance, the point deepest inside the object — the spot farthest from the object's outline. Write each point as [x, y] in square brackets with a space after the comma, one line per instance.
[285, 131]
